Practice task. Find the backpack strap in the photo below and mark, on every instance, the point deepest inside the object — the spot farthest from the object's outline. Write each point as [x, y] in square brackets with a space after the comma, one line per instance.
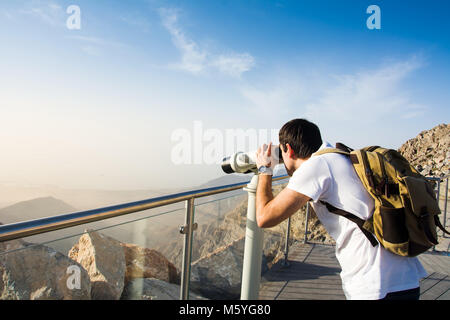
[353, 157]
[330, 150]
[359, 222]
[438, 223]
[347, 151]
[424, 224]
[341, 146]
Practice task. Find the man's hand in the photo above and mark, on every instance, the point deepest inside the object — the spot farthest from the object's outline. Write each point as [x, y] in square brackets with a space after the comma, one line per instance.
[264, 157]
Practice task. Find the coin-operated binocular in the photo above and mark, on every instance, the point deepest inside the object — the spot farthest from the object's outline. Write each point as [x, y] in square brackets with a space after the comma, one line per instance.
[241, 162]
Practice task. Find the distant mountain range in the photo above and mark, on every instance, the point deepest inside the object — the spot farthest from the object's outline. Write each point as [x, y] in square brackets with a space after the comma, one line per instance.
[85, 199]
[34, 209]
[49, 201]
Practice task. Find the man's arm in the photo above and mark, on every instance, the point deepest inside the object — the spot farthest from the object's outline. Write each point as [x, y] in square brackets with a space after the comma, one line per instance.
[271, 211]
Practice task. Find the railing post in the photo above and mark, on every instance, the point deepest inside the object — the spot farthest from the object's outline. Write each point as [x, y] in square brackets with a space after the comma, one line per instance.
[445, 208]
[187, 230]
[286, 244]
[251, 270]
[305, 239]
[439, 191]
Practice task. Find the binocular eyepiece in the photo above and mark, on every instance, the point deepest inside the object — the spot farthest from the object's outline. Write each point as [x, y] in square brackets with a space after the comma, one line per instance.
[241, 162]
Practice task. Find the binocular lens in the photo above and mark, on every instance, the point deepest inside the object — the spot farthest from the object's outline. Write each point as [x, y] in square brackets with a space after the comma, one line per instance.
[226, 165]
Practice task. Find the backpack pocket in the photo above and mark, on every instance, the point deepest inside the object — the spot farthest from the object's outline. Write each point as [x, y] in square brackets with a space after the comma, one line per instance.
[421, 195]
[394, 225]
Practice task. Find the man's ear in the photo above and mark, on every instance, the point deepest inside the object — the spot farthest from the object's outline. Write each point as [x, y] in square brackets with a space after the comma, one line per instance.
[289, 151]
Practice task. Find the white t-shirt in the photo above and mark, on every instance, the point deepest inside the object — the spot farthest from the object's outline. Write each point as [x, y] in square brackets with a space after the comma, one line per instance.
[367, 272]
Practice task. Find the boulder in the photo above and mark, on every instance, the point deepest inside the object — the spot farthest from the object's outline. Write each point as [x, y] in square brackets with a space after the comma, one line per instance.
[148, 263]
[218, 275]
[104, 260]
[428, 152]
[37, 272]
[153, 289]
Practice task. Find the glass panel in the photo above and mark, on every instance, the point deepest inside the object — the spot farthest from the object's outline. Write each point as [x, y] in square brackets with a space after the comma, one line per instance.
[275, 237]
[443, 239]
[120, 258]
[218, 245]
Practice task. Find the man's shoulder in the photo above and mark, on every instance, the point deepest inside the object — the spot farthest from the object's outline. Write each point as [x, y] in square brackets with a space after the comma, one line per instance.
[325, 165]
[330, 158]
[313, 164]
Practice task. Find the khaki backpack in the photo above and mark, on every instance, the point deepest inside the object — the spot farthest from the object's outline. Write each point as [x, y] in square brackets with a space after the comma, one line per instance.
[406, 209]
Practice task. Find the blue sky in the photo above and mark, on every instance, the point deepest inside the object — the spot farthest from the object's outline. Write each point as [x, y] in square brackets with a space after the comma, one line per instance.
[97, 107]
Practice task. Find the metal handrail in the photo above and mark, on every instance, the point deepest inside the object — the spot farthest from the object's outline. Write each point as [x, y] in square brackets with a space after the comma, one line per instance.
[38, 226]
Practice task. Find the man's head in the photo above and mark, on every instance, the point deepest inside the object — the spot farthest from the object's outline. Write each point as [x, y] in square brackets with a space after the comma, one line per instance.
[299, 139]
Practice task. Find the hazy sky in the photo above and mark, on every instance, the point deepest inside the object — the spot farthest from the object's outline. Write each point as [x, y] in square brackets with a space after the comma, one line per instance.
[102, 106]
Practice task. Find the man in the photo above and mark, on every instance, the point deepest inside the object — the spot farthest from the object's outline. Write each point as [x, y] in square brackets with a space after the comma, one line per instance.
[368, 272]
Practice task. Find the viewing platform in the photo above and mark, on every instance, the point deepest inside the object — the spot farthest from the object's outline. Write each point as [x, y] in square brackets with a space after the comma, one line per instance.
[313, 274]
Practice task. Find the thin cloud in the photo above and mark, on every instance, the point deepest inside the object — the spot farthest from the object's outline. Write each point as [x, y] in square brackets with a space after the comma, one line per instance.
[359, 99]
[233, 64]
[195, 59]
[92, 51]
[49, 12]
[375, 92]
[137, 21]
[7, 14]
[281, 96]
[98, 41]
[95, 46]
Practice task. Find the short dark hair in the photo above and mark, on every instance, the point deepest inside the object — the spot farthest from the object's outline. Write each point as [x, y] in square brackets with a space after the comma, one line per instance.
[303, 137]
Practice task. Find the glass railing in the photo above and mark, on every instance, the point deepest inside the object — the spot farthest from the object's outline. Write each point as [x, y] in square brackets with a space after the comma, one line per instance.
[219, 242]
[218, 246]
[120, 258]
[132, 253]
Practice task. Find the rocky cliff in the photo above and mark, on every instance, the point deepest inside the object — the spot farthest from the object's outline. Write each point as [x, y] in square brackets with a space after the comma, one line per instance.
[429, 152]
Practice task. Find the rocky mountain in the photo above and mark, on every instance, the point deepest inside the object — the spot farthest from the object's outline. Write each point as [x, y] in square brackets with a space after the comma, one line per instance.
[429, 152]
[82, 199]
